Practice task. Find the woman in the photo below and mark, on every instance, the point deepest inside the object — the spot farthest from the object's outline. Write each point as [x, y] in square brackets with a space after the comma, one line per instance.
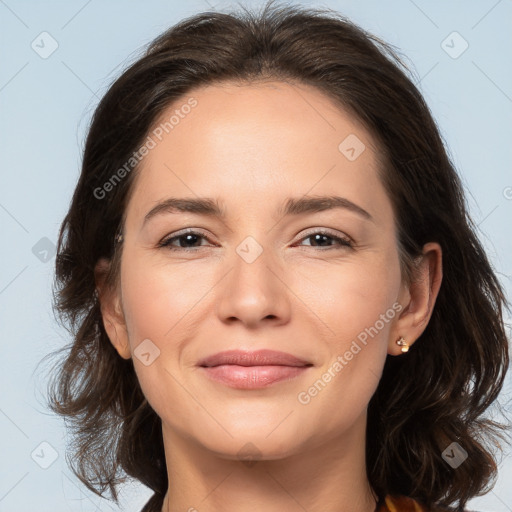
[333, 332]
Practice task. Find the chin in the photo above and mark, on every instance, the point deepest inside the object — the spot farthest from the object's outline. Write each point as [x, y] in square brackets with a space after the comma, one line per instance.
[251, 450]
[255, 444]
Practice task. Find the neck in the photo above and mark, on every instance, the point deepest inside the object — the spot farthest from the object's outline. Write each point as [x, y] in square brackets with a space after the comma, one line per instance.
[327, 476]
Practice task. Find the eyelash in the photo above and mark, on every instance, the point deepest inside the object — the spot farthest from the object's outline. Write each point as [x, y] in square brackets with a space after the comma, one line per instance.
[343, 242]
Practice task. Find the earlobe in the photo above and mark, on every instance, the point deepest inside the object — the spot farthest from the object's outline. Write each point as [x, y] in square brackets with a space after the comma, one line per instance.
[420, 297]
[111, 311]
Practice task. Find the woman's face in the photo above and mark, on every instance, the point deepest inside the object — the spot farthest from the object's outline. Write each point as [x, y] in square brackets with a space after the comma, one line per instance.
[261, 277]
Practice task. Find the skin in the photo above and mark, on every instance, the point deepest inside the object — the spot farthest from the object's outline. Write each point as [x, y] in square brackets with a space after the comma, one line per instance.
[252, 147]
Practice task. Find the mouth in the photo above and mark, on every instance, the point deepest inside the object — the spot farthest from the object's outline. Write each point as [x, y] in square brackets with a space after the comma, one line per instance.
[252, 370]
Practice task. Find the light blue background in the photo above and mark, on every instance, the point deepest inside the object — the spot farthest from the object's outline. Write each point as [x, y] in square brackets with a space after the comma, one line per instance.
[46, 105]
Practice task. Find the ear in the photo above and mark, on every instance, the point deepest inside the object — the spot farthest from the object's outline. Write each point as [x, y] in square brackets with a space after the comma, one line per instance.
[111, 310]
[418, 298]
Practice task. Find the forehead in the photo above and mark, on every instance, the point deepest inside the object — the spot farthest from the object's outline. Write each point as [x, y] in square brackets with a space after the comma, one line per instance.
[249, 143]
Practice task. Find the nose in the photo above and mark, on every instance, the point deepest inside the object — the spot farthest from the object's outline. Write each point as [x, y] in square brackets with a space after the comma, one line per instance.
[254, 291]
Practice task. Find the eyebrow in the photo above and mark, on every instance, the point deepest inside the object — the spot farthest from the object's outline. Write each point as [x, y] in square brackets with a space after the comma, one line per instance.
[293, 206]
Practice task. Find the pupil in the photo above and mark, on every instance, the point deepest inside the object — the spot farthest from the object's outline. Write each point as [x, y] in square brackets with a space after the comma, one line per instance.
[187, 237]
[318, 237]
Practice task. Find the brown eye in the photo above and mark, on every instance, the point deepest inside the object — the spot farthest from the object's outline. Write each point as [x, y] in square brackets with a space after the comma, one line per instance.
[186, 241]
[321, 239]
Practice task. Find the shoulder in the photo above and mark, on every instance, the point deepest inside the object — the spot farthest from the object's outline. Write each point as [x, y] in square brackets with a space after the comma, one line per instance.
[406, 504]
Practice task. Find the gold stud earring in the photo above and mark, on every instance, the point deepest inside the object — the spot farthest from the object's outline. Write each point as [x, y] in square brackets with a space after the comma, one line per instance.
[403, 344]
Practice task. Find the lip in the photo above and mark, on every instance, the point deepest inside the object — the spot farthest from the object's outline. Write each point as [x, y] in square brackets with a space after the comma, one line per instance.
[253, 369]
[253, 358]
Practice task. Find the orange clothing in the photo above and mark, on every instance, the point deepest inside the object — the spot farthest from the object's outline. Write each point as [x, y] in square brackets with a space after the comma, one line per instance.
[400, 504]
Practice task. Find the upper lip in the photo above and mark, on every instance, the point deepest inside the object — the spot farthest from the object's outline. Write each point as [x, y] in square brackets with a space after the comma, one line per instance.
[253, 358]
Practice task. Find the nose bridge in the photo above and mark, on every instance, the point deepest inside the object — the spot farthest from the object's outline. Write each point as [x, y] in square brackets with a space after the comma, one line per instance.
[251, 290]
[254, 262]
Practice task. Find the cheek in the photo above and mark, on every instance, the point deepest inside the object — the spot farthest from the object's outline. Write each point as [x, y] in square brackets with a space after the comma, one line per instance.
[159, 304]
[158, 299]
[356, 303]
[350, 296]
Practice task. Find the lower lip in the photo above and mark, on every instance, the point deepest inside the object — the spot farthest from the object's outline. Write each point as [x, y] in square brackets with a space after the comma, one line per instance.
[252, 377]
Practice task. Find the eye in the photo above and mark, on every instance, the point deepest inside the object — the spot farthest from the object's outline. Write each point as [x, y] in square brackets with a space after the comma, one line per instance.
[321, 236]
[188, 238]
[187, 241]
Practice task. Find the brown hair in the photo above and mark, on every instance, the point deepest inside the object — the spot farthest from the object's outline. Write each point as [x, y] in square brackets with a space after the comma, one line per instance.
[433, 395]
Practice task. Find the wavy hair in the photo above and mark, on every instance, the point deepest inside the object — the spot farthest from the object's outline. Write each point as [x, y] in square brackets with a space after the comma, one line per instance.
[432, 396]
